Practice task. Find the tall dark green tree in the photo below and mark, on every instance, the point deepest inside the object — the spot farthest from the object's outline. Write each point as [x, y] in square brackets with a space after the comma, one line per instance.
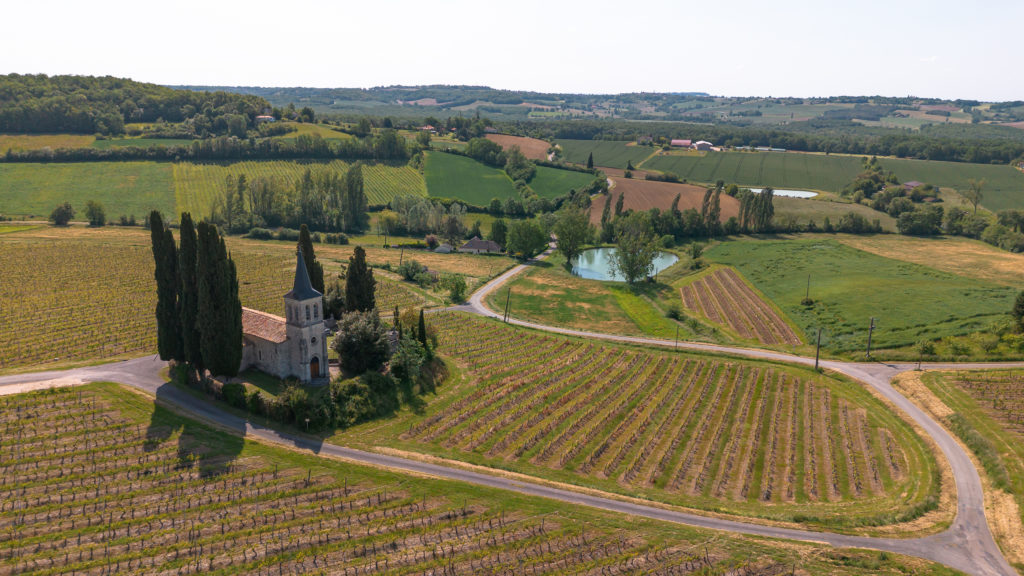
[355, 205]
[360, 284]
[619, 204]
[499, 232]
[590, 161]
[168, 322]
[421, 333]
[220, 311]
[188, 294]
[313, 267]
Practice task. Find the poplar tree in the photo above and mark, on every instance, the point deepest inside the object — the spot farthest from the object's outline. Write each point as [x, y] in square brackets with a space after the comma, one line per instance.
[168, 323]
[359, 284]
[313, 268]
[188, 295]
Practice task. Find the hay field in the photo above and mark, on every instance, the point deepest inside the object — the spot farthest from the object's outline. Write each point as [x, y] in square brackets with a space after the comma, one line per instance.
[532, 148]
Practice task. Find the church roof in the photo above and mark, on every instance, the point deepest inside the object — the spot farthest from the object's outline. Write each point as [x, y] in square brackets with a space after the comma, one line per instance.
[262, 325]
[302, 289]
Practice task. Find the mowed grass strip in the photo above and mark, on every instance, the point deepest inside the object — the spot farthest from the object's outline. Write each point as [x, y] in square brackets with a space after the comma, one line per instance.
[614, 154]
[909, 302]
[465, 179]
[702, 431]
[197, 185]
[124, 188]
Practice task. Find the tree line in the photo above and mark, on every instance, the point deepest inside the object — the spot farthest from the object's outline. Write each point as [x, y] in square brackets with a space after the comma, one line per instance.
[37, 103]
[199, 315]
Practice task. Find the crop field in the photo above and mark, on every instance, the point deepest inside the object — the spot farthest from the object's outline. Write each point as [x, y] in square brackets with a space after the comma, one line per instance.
[37, 141]
[613, 154]
[465, 179]
[1004, 186]
[532, 148]
[122, 187]
[92, 484]
[961, 256]
[552, 182]
[77, 295]
[647, 194]
[701, 431]
[197, 185]
[776, 169]
[909, 302]
[724, 298]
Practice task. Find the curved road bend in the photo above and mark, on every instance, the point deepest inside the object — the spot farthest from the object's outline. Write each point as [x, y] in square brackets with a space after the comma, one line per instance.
[967, 545]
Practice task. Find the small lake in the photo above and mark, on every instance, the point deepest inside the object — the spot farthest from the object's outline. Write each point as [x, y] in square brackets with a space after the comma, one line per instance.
[788, 193]
[596, 263]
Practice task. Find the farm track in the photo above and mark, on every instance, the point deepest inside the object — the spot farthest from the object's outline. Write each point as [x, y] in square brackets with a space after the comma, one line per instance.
[967, 545]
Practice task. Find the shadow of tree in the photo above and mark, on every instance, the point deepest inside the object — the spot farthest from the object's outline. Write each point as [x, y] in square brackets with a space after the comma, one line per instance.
[212, 450]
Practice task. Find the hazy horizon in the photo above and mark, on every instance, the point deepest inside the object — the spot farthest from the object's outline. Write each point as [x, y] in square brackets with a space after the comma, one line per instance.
[790, 48]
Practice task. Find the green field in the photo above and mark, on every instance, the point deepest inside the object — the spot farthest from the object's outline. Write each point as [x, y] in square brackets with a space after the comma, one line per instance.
[122, 187]
[606, 153]
[803, 210]
[165, 494]
[465, 179]
[909, 302]
[196, 185]
[140, 142]
[776, 169]
[325, 132]
[1004, 186]
[552, 182]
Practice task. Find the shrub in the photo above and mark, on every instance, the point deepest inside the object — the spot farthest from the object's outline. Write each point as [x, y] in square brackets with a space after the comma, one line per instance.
[409, 269]
[260, 234]
[62, 214]
[336, 238]
[674, 312]
[288, 234]
[362, 342]
[234, 394]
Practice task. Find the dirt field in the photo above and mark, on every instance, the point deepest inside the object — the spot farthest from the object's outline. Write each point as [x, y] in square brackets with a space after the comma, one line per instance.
[969, 258]
[533, 148]
[647, 194]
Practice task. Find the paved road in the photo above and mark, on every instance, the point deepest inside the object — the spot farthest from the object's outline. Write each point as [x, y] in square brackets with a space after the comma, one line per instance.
[967, 545]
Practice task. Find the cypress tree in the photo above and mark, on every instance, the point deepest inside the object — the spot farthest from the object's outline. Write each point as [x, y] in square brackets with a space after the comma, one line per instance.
[359, 284]
[590, 161]
[188, 295]
[422, 334]
[220, 311]
[313, 268]
[398, 321]
[165, 256]
[619, 203]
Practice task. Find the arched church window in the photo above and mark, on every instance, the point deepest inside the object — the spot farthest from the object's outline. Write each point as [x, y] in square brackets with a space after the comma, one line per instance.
[316, 311]
[307, 312]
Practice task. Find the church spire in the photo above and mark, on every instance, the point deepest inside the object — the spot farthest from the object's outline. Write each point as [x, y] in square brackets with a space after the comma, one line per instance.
[302, 289]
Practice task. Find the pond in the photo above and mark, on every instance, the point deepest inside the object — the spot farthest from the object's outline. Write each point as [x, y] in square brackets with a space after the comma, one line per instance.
[596, 263]
[788, 193]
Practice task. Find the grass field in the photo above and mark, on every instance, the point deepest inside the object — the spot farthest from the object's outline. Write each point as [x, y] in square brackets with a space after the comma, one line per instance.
[196, 185]
[325, 132]
[95, 289]
[984, 410]
[37, 141]
[606, 153]
[737, 437]
[465, 179]
[1004, 186]
[968, 258]
[124, 188]
[552, 182]
[140, 142]
[115, 484]
[802, 211]
[910, 302]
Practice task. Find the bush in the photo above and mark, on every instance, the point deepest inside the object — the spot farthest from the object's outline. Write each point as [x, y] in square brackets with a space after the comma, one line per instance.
[336, 238]
[62, 214]
[674, 312]
[362, 342]
[234, 394]
[456, 286]
[409, 269]
[431, 241]
[260, 234]
[288, 234]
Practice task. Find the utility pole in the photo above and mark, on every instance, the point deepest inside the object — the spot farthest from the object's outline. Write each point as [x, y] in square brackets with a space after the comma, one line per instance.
[677, 336]
[400, 255]
[508, 297]
[808, 295]
[817, 350]
[870, 330]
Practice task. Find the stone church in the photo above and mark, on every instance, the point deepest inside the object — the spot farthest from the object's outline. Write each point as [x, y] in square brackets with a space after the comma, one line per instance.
[294, 346]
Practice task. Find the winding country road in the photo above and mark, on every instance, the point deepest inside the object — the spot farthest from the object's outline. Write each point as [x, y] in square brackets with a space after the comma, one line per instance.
[967, 545]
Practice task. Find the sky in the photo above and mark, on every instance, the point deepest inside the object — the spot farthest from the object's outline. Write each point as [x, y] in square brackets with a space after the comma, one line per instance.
[938, 48]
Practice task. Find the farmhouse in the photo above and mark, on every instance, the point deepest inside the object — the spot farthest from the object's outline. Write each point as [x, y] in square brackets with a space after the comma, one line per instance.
[912, 184]
[702, 145]
[476, 246]
[681, 143]
[291, 347]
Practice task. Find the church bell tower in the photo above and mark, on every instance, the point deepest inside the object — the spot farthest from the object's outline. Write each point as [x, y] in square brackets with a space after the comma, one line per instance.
[305, 327]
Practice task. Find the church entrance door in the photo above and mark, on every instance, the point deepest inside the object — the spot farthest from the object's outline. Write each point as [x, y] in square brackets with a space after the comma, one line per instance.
[314, 367]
